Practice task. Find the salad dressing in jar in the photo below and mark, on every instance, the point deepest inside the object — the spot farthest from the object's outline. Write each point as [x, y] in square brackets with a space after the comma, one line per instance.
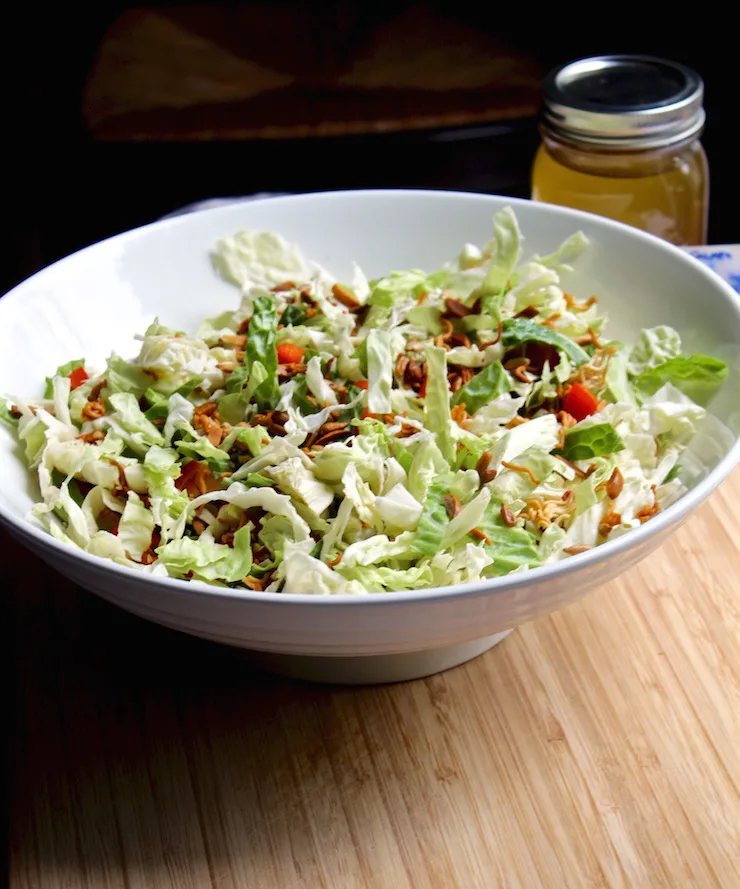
[620, 138]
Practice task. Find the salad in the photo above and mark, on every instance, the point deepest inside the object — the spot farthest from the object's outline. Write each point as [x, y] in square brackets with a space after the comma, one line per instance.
[415, 430]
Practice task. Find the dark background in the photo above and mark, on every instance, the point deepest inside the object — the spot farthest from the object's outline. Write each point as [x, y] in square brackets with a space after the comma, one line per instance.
[63, 190]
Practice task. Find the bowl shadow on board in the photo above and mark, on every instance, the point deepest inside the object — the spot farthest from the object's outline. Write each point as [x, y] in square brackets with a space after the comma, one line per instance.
[128, 738]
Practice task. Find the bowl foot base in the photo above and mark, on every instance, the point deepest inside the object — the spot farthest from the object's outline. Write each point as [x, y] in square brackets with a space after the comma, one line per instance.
[374, 669]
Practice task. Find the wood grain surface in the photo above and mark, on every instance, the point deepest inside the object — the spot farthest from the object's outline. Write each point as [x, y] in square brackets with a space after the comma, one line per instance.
[597, 747]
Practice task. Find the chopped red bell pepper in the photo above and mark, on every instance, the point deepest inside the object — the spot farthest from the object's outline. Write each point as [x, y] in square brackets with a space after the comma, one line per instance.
[579, 402]
[289, 353]
[77, 377]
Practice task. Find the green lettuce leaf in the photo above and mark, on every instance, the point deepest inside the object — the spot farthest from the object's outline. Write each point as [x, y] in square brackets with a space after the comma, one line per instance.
[201, 448]
[676, 420]
[207, 559]
[354, 411]
[428, 317]
[135, 528]
[161, 467]
[434, 520]
[378, 548]
[171, 361]
[464, 563]
[510, 548]
[398, 509]
[478, 323]
[385, 291]
[360, 355]
[570, 249]
[159, 403]
[63, 370]
[618, 386]
[506, 250]
[512, 485]
[275, 530]
[518, 331]
[427, 464]
[468, 518]
[317, 384]
[294, 315]
[179, 417]
[672, 474]
[437, 402]
[141, 432]
[507, 241]
[161, 464]
[591, 441]
[158, 329]
[62, 387]
[300, 396]
[233, 406]
[301, 485]
[379, 371]
[377, 579]
[654, 346]
[403, 455]
[486, 385]
[238, 379]
[337, 527]
[697, 376]
[255, 480]
[535, 286]
[120, 376]
[305, 574]
[469, 451]
[251, 436]
[261, 348]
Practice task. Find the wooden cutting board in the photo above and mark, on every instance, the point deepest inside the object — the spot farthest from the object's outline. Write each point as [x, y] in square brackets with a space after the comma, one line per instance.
[597, 747]
[286, 70]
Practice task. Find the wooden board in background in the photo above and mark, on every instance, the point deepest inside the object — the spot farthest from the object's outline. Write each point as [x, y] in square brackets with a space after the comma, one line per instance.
[290, 70]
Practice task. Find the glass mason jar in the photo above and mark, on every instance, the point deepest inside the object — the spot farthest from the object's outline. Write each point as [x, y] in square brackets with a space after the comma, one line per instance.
[620, 138]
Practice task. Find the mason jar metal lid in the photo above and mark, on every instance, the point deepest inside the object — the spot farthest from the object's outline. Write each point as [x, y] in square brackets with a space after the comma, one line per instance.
[624, 101]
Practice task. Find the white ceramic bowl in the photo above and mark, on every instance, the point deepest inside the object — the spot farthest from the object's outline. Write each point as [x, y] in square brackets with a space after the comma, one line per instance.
[97, 299]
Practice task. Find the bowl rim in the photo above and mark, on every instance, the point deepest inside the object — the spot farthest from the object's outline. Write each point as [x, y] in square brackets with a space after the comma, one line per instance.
[662, 523]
